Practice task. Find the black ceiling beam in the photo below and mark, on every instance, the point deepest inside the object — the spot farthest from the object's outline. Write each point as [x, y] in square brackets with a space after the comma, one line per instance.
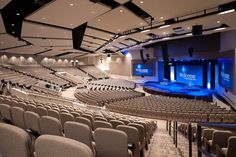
[96, 37]
[62, 54]
[42, 52]
[77, 35]
[14, 47]
[33, 37]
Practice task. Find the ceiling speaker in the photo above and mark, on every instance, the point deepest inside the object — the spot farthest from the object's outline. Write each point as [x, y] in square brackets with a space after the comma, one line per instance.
[197, 30]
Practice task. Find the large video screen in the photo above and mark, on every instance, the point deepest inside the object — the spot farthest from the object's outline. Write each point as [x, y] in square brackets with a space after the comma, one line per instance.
[226, 73]
[140, 69]
[190, 74]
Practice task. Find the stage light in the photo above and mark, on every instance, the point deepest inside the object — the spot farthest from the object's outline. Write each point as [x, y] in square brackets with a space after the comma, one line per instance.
[165, 26]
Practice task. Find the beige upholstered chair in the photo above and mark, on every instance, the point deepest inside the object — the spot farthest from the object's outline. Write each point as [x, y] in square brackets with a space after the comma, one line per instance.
[55, 146]
[6, 113]
[84, 121]
[31, 108]
[141, 133]
[50, 126]
[111, 143]
[54, 113]
[219, 138]
[32, 121]
[229, 151]
[18, 117]
[115, 123]
[206, 136]
[133, 138]
[41, 111]
[15, 142]
[79, 132]
[101, 124]
[66, 117]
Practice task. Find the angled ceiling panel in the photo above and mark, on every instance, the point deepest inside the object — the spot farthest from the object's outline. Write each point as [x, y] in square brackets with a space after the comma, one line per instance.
[118, 20]
[37, 30]
[3, 3]
[30, 49]
[48, 42]
[2, 27]
[69, 14]
[7, 41]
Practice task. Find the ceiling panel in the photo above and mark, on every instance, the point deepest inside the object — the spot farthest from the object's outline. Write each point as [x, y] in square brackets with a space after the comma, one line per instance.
[94, 40]
[97, 33]
[30, 49]
[122, 1]
[118, 20]
[38, 30]
[3, 3]
[72, 55]
[2, 27]
[68, 13]
[7, 41]
[176, 8]
[49, 42]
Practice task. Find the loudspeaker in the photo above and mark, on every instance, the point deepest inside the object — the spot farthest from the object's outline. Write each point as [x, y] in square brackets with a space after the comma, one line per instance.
[141, 56]
[197, 30]
[190, 51]
[147, 55]
[165, 55]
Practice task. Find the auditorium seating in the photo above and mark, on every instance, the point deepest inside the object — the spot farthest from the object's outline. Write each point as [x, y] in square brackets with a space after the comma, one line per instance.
[172, 108]
[93, 71]
[114, 83]
[72, 70]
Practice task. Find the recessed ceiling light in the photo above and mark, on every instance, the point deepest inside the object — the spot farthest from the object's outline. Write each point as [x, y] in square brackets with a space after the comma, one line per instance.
[162, 18]
[18, 14]
[92, 12]
[71, 24]
[118, 30]
[121, 10]
[12, 24]
[99, 20]
[12, 32]
[43, 18]
[141, 2]
[141, 23]
[71, 4]
[218, 21]
[188, 27]
[164, 32]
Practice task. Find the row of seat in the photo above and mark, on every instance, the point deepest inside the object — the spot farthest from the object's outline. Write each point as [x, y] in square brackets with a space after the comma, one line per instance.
[169, 108]
[93, 71]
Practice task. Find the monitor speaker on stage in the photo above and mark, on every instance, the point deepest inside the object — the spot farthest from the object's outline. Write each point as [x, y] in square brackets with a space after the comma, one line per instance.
[197, 30]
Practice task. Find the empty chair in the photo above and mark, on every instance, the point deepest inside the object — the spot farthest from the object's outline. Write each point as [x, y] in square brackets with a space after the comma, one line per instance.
[111, 143]
[54, 113]
[22, 105]
[101, 119]
[75, 114]
[219, 138]
[15, 142]
[125, 121]
[6, 113]
[133, 138]
[55, 146]
[51, 126]
[41, 111]
[141, 133]
[66, 117]
[79, 132]
[84, 121]
[206, 136]
[101, 124]
[115, 123]
[17, 114]
[32, 108]
[229, 151]
[89, 117]
[32, 122]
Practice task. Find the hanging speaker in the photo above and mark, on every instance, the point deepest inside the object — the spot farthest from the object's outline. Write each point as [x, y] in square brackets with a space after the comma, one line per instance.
[197, 30]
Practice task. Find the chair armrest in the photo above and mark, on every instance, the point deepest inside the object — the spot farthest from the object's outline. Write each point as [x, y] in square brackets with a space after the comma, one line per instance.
[219, 152]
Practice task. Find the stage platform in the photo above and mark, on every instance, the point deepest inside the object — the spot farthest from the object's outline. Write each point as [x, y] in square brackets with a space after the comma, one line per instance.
[178, 90]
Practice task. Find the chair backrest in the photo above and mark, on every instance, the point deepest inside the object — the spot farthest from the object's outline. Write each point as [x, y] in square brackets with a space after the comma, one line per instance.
[125, 121]
[132, 133]
[54, 113]
[66, 117]
[101, 124]
[115, 123]
[55, 146]
[231, 147]
[220, 138]
[32, 121]
[101, 119]
[111, 143]
[41, 111]
[6, 112]
[79, 132]
[84, 121]
[50, 126]
[17, 114]
[207, 133]
[15, 142]
[31, 108]
[140, 130]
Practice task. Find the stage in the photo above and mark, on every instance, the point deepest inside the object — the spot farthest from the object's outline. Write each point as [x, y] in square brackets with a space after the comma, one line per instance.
[178, 90]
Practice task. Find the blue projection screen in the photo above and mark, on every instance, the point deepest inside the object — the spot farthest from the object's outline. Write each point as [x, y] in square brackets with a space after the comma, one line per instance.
[140, 69]
[226, 73]
[190, 74]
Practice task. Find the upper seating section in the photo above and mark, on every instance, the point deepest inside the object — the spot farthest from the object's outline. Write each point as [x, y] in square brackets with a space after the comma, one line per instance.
[41, 73]
[170, 108]
[71, 70]
[114, 83]
[93, 71]
[16, 78]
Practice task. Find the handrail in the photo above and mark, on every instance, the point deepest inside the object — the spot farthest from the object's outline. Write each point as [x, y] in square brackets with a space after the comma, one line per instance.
[214, 125]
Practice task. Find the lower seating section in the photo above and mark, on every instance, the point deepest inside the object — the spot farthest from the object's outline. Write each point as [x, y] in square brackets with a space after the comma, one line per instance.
[93, 71]
[72, 70]
[114, 82]
[42, 119]
[101, 97]
[170, 108]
